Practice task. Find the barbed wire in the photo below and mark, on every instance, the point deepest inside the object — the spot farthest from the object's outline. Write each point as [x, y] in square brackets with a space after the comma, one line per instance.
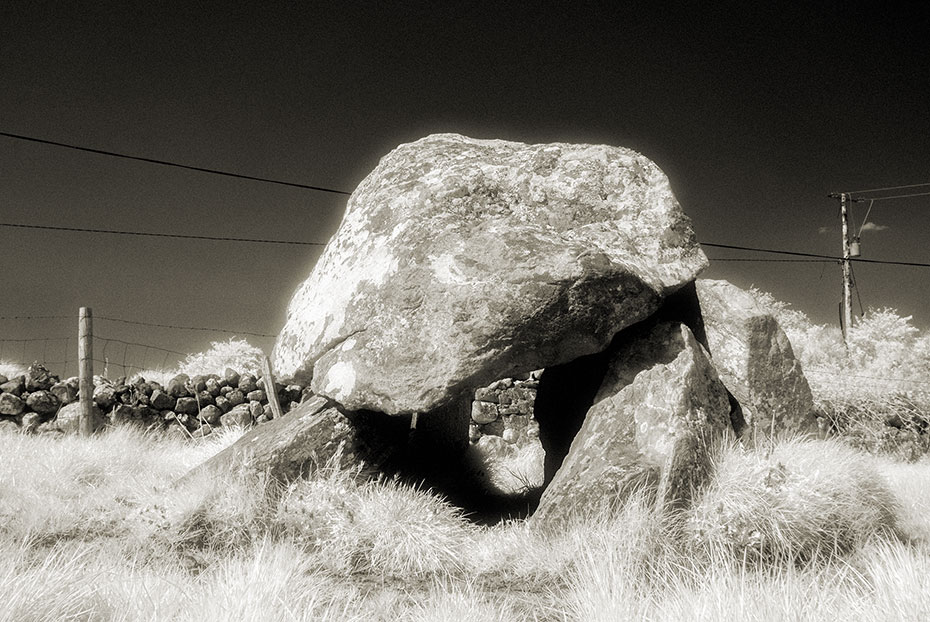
[141, 345]
[37, 317]
[200, 328]
[34, 339]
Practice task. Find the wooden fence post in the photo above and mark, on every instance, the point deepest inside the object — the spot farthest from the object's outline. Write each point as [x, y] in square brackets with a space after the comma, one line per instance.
[270, 391]
[86, 370]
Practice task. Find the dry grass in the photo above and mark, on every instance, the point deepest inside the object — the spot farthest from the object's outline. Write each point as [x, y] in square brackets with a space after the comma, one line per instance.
[795, 502]
[91, 531]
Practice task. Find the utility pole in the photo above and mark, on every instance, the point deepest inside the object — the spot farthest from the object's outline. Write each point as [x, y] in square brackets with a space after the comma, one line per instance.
[847, 272]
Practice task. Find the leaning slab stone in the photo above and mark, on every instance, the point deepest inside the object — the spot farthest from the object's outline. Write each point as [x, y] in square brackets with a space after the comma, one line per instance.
[659, 408]
[754, 358]
[460, 261]
[315, 434]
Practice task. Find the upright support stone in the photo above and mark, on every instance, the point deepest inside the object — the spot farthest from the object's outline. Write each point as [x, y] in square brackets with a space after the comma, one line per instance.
[658, 412]
[756, 362]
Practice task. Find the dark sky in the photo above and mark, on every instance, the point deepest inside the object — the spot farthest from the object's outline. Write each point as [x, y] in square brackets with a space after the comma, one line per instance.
[754, 114]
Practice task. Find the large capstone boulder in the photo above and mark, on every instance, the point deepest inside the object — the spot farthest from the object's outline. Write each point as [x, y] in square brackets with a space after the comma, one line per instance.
[659, 410]
[754, 358]
[460, 261]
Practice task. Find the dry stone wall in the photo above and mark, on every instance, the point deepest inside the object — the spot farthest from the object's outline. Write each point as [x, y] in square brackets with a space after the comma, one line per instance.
[39, 401]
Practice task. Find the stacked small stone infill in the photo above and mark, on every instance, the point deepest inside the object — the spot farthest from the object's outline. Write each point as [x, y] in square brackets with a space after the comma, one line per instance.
[505, 409]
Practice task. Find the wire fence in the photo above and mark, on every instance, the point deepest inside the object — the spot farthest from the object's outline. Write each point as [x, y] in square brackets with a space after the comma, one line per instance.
[116, 355]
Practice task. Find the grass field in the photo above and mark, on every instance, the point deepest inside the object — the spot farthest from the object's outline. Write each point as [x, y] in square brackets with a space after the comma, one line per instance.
[91, 529]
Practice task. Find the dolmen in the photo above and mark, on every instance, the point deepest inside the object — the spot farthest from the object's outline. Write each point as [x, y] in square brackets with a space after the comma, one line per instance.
[460, 261]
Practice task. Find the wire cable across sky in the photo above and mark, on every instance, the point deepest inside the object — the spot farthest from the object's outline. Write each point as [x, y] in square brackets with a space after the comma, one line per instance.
[200, 169]
[159, 235]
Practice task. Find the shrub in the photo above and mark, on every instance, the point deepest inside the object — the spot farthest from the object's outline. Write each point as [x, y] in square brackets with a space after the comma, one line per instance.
[236, 353]
[876, 393]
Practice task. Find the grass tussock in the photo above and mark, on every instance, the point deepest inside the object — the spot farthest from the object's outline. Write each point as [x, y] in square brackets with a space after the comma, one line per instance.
[381, 527]
[796, 501]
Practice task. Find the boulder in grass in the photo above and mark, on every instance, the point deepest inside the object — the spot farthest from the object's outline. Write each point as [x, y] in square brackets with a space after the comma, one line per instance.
[65, 392]
[660, 409]
[204, 398]
[146, 415]
[38, 378]
[187, 406]
[235, 397]
[105, 396]
[43, 402]
[177, 386]
[121, 414]
[68, 418]
[239, 416]
[31, 422]
[755, 360]
[247, 383]
[231, 376]
[15, 386]
[460, 261]
[11, 404]
[213, 386]
[211, 414]
[161, 400]
[8, 427]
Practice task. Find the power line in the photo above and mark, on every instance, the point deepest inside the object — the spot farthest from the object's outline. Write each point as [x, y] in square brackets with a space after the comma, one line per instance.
[174, 164]
[159, 235]
[291, 242]
[206, 329]
[897, 196]
[773, 260]
[815, 255]
[887, 188]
